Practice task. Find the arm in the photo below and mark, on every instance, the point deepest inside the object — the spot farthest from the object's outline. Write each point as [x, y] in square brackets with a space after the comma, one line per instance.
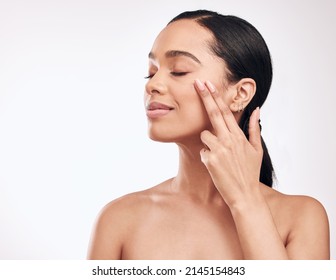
[234, 164]
[309, 238]
[106, 242]
[258, 235]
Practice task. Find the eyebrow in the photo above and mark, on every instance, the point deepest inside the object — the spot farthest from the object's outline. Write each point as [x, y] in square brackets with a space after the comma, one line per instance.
[176, 53]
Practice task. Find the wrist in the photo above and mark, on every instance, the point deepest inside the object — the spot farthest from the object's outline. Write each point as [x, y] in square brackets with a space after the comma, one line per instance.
[248, 203]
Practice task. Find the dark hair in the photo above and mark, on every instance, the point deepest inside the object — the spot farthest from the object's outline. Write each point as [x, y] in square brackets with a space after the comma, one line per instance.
[246, 55]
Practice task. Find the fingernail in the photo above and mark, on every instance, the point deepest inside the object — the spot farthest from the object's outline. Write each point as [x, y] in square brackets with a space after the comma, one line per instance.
[200, 85]
[210, 86]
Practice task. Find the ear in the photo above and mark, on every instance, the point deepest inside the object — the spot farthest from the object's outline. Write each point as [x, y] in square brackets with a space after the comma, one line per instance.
[244, 92]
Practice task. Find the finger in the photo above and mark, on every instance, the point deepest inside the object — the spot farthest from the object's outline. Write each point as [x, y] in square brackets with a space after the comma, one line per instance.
[254, 130]
[212, 109]
[204, 153]
[228, 116]
[208, 139]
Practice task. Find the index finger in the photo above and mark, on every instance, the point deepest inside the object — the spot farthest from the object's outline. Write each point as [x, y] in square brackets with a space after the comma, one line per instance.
[227, 114]
[214, 112]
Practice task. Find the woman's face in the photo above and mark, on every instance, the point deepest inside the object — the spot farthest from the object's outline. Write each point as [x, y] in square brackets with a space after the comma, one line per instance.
[180, 54]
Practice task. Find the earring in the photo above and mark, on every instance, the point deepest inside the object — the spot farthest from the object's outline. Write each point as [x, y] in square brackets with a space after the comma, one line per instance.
[240, 107]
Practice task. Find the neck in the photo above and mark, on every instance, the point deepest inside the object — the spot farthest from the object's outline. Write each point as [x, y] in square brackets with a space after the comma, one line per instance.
[193, 178]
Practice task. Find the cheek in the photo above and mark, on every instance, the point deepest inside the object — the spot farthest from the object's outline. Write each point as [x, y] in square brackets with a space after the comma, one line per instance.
[193, 113]
[187, 122]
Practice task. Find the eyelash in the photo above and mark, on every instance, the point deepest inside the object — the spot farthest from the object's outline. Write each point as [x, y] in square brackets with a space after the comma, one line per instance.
[149, 77]
[176, 74]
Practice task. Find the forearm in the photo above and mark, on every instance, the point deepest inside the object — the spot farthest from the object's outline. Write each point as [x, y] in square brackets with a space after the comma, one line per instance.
[258, 235]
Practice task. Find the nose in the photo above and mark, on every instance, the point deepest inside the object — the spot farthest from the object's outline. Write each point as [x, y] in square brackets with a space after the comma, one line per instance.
[155, 85]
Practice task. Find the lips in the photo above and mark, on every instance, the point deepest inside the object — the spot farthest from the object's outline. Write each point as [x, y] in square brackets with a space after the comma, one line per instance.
[158, 106]
[156, 110]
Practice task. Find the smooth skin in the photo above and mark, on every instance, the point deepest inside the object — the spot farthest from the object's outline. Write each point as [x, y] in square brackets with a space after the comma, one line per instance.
[215, 207]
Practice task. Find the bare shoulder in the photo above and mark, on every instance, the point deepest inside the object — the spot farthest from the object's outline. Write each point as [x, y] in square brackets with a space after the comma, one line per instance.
[127, 204]
[297, 206]
[306, 222]
[133, 204]
[116, 220]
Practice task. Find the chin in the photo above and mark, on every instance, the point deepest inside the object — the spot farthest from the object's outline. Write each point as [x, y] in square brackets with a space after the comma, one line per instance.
[161, 137]
[173, 134]
[177, 130]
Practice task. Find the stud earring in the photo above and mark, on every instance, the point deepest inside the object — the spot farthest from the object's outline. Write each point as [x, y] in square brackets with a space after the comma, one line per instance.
[240, 107]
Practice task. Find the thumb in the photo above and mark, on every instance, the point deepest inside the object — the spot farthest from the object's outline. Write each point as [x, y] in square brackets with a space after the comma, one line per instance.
[254, 130]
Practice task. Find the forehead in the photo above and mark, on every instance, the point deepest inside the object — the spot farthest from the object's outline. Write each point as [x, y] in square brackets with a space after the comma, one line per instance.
[184, 35]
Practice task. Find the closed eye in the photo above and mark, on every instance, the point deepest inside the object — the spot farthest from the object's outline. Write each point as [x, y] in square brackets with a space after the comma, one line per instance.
[178, 74]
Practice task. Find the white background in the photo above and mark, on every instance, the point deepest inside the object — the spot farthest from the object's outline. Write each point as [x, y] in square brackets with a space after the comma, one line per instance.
[72, 125]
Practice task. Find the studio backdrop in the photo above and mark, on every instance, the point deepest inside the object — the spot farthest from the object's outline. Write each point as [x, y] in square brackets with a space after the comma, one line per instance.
[73, 130]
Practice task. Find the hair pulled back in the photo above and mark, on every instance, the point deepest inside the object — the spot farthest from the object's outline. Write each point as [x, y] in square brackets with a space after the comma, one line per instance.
[246, 55]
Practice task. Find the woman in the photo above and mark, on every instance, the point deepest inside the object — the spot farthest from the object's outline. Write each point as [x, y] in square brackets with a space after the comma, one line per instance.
[208, 76]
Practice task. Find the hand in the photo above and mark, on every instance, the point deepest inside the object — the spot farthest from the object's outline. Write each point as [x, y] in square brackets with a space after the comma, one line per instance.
[232, 160]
